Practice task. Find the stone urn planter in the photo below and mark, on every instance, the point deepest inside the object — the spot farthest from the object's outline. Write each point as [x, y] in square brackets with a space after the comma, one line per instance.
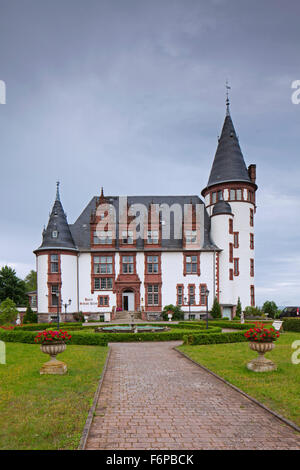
[53, 343]
[261, 363]
[53, 366]
[261, 340]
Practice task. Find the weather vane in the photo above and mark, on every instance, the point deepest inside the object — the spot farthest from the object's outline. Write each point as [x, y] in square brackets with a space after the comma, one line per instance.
[227, 98]
[57, 191]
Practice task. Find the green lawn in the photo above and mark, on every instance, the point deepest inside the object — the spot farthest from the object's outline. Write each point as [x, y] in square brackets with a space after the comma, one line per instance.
[279, 390]
[46, 411]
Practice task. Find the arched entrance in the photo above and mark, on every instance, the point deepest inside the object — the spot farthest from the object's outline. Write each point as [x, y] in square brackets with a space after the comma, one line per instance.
[128, 300]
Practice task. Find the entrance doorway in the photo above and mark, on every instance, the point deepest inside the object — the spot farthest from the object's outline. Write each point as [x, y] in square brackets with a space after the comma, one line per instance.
[128, 300]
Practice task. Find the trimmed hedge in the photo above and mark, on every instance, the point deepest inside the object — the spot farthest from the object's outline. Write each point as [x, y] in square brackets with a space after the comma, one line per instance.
[292, 324]
[87, 338]
[196, 339]
[226, 324]
[15, 336]
[44, 326]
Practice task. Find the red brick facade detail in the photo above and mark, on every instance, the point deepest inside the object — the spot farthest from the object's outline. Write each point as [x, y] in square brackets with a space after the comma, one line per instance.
[153, 279]
[127, 281]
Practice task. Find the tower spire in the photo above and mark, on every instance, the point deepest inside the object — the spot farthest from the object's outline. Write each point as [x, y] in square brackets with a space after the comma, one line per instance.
[57, 191]
[227, 98]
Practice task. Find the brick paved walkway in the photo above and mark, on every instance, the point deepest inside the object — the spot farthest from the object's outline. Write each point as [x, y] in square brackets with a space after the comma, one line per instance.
[152, 398]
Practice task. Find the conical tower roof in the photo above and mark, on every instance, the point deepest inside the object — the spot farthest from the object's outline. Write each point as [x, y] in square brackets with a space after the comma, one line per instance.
[57, 234]
[228, 164]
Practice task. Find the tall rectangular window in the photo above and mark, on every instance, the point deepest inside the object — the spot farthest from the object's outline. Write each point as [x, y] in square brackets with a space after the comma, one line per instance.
[236, 271]
[236, 239]
[231, 274]
[251, 241]
[214, 197]
[203, 294]
[252, 296]
[251, 217]
[238, 194]
[220, 195]
[252, 267]
[152, 264]
[192, 300]
[232, 194]
[180, 295]
[153, 294]
[103, 265]
[230, 252]
[54, 263]
[127, 265]
[54, 295]
[230, 225]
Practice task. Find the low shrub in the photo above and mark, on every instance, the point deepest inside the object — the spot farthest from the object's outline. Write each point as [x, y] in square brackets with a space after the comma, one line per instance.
[178, 314]
[224, 324]
[292, 324]
[215, 338]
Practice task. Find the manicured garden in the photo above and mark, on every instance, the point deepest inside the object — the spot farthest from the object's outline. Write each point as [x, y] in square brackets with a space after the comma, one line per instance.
[279, 390]
[49, 411]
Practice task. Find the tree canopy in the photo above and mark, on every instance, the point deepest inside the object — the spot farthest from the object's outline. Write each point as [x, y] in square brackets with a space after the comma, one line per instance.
[8, 312]
[12, 287]
[31, 281]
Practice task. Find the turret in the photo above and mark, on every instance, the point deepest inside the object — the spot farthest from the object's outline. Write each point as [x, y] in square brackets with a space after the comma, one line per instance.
[56, 266]
[230, 202]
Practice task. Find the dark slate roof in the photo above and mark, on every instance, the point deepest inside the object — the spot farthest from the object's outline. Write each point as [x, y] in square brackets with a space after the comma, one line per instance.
[229, 164]
[222, 207]
[57, 222]
[81, 228]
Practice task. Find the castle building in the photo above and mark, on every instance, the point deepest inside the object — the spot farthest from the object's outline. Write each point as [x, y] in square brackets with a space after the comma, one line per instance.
[141, 253]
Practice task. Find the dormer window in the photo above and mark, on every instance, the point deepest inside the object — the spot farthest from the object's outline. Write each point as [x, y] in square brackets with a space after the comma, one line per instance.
[152, 237]
[103, 238]
[54, 234]
[127, 238]
[191, 236]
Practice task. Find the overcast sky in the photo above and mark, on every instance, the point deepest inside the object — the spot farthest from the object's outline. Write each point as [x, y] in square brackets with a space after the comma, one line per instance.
[130, 95]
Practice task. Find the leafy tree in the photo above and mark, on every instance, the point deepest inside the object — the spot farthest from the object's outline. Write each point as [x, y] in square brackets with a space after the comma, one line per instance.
[271, 308]
[8, 312]
[216, 309]
[239, 308]
[253, 312]
[31, 281]
[178, 314]
[12, 287]
[30, 316]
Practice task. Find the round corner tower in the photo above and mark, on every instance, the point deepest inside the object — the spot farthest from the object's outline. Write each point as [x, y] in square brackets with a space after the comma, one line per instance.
[56, 261]
[230, 202]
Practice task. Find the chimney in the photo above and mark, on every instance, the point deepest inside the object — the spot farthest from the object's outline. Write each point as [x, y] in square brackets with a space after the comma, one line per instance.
[252, 173]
